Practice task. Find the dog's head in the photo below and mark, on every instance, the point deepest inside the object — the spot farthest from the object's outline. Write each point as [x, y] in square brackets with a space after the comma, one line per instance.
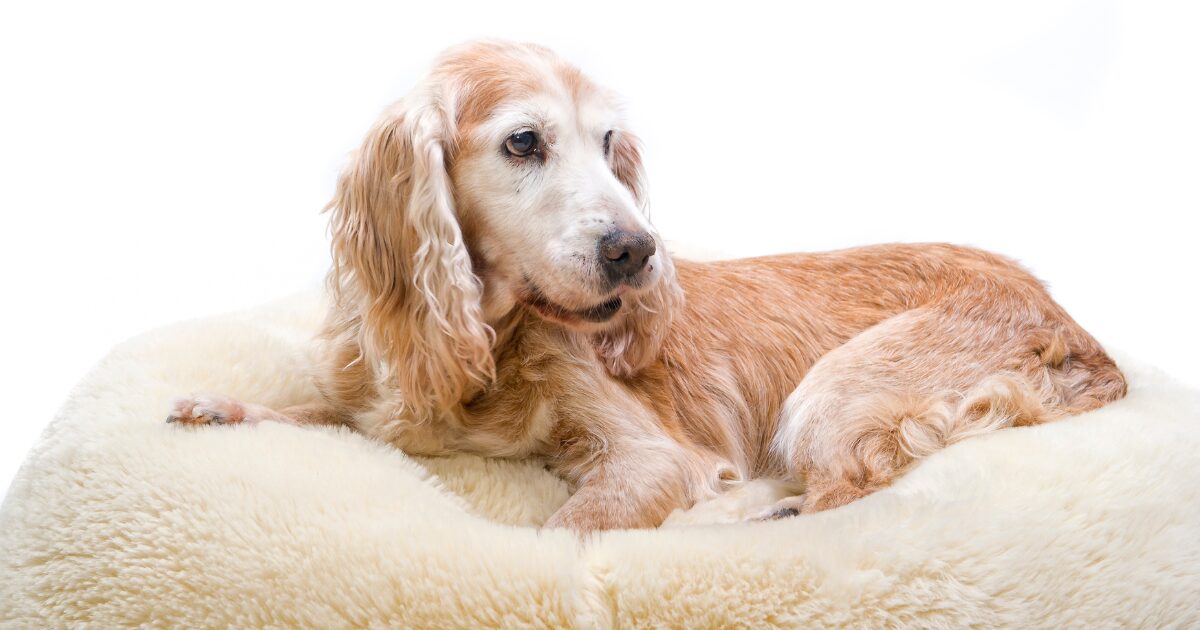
[506, 180]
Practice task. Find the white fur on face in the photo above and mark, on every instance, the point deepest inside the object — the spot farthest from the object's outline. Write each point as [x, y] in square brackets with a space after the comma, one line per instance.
[540, 218]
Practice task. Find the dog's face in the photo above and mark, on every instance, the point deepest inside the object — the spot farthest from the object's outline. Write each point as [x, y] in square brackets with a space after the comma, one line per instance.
[506, 180]
[545, 179]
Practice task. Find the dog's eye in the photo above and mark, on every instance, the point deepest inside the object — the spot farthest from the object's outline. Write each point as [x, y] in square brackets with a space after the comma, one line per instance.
[521, 144]
[607, 142]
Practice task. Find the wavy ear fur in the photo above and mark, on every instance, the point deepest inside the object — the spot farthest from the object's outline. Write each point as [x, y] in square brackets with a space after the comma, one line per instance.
[625, 159]
[401, 267]
[635, 343]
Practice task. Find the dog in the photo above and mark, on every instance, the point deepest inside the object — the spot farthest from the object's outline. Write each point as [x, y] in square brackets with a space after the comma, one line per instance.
[497, 289]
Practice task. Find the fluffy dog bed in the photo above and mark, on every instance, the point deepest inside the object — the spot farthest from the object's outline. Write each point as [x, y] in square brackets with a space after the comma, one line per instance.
[119, 519]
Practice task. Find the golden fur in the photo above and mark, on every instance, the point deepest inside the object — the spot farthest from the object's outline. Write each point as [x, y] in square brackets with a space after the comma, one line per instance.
[838, 368]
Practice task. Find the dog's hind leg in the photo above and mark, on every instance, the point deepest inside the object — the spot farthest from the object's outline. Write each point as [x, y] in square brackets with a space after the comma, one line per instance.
[927, 378]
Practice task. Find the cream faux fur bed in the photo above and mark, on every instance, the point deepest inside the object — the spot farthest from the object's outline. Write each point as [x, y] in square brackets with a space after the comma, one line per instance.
[120, 519]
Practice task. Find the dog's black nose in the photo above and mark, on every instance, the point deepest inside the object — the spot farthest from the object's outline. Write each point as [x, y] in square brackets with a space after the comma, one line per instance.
[623, 254]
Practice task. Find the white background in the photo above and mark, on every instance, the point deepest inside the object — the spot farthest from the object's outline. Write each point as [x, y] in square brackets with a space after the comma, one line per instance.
[160, 162]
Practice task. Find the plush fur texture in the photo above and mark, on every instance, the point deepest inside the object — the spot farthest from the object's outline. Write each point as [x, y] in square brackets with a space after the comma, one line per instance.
[117, 519]
[499, 291]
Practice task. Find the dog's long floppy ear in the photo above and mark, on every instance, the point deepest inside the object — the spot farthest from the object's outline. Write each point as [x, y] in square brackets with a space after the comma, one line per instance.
[400, 264]
[637, 339]
[625, 159]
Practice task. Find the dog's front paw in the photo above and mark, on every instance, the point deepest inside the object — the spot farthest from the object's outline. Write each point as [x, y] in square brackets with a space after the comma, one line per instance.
[201, 410]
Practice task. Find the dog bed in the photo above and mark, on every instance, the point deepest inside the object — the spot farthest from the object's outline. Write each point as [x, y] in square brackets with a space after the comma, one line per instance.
[119, 519]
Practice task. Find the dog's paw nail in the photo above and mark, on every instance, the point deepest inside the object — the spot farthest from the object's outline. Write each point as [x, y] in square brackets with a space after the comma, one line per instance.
[785, 513]
[202, 411]
[779, 512]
